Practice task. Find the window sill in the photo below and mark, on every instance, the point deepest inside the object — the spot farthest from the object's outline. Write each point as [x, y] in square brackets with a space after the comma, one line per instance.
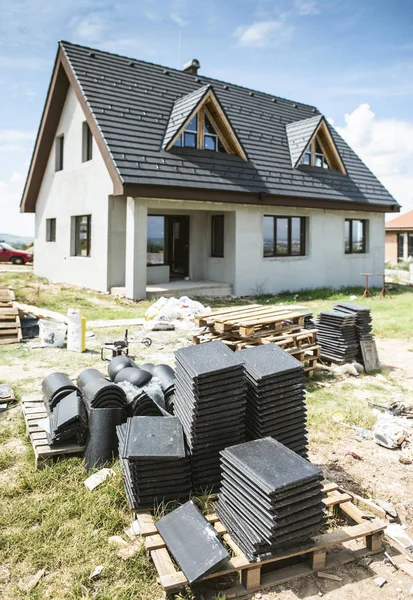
[285, 258]
[356, 254]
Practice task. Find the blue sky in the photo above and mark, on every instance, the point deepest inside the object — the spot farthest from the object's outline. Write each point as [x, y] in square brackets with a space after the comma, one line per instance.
[352, 59]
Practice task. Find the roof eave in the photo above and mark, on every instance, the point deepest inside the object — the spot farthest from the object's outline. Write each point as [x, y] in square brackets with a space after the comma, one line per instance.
[255, 198]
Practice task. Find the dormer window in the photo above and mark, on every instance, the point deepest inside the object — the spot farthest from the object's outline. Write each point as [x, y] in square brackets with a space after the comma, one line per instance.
[199, 121]
[314, 156]
[200, 133]
[189, 138]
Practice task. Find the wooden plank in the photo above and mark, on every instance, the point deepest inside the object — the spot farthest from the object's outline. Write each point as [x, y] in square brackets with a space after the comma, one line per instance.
[4, 341]
[251, 578]
[281, 316]
[328, 486]
[336, 499]
[44, 451]
[154, 542]
[163, 563]
[371, 506]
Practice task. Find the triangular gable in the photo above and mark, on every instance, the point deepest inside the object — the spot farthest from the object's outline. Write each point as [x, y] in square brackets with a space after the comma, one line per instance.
[188, 106]
[300, 135]
[63, 76]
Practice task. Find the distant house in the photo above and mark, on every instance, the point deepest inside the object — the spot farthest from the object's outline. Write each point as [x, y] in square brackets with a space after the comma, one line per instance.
[148, 176]
[399, 238]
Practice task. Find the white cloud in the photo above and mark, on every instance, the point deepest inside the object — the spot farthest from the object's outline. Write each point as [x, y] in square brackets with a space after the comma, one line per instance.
[12, 221]
[264, 33]
[26, 62]
[386, 146]
[307, 7]
[89, 29]
[179, 12]
[14, 139]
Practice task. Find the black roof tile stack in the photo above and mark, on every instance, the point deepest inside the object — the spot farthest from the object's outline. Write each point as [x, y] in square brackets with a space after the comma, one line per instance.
[270, 497]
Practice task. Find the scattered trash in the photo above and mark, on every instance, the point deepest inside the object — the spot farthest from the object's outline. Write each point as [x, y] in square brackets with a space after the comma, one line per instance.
[353, 454]
[52, 333]
[97, 478]
[133, 530]
[172, 311]
[359, 368]
[352, 298]
[96, 572]
[347, 369]
[389, 431]
[388, 507]
[366, 561]
[379, 581]
[395, 532]
[323, 575]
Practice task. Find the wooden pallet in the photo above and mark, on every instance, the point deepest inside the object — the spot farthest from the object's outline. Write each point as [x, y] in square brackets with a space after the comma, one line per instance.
[320, 554]
[10, 327]
[34, 410]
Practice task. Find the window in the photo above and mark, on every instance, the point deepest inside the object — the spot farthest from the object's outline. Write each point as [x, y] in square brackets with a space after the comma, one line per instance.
[314, 156]
[217, 236]
[355, 236]
[82, 235]
[201, 133]
[410, 244]
[50, 230]
[59, 145]
[284, 236]
[400, 246]
[156, 239]
[87, 143]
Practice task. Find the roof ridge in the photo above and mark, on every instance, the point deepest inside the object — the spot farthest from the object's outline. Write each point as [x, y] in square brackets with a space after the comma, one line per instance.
[147, 62]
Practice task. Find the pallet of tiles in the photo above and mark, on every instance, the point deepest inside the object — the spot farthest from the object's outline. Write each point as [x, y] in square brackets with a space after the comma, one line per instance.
[10, 328]
[336, 547]
[34, 410]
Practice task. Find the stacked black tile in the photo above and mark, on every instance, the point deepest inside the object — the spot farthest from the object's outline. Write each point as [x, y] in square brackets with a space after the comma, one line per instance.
[275, 396]
[55, 387]
[68, 421]
[154, 461]
[210, 403]
[337, 336]
[364, 320]
[309, 322]
[270, 498]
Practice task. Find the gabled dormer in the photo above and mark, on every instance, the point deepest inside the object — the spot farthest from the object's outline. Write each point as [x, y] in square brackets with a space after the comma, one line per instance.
[311, 144]
[198, 121]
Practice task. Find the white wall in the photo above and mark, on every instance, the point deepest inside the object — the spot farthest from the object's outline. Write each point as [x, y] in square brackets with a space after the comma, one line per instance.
[79, 189]
[325, 265]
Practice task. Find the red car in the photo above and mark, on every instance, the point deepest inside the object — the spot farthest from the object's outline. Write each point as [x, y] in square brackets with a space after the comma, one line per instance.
[10, 254]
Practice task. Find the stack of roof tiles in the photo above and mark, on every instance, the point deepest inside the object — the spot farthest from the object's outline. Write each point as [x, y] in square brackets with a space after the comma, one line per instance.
[270, 497]
[363, 318]
[153, 460]
[210, 403]
[275, 396]
[68, 421]
[337, 336]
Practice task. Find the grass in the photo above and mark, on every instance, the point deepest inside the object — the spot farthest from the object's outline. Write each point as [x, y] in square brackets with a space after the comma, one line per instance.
[48, 519]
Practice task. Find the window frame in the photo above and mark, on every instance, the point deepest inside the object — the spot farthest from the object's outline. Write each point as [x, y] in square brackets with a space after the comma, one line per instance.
[200, 134]
[87, 142]
[351, 248]
[217, 249]
[311, 151]
[51, 229]
[303, 237]
[77, 241]
[59, 152]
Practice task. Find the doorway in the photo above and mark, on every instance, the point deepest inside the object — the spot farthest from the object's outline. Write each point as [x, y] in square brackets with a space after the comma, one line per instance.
[178, 246]
[168, 244]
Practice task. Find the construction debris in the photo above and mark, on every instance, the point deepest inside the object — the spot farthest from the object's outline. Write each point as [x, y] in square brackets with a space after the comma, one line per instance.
[97, 478]
[10, 327]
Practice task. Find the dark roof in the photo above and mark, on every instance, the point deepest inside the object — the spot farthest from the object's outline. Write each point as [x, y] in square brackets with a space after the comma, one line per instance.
[131, 102]
[299, 134]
